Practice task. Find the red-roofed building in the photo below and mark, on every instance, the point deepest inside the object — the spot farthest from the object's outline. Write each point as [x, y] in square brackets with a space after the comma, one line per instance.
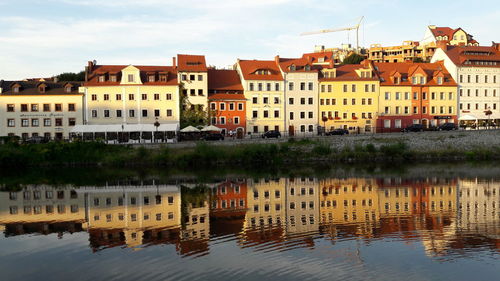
[262, 82]
[227, 102]
[192, 71]
[477, 72]
[415, 93]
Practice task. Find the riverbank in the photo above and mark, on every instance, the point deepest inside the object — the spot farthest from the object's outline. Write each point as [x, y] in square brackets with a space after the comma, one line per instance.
[412, 147]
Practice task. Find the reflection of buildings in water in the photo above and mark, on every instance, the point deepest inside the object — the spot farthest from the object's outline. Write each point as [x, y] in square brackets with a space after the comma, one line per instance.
[302, 205]
[120, 214]
[228, 207]
[266, 203]
[195, 230]
[41, 209]
[478, 210]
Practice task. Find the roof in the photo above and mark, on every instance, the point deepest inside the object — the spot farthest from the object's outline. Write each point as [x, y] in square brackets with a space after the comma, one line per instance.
[299, 63]
[386, 70]
[474, 56]
[191, 63]
[107, 70]
[449, 32]
[315, 58]
[31, 88]
[224, 96]
[250, 68]
[348, 73]
[224, 80]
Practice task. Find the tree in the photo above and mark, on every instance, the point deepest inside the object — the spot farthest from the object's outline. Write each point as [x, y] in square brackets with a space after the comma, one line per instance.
[192, 115]
[353, 59]
[71, 76]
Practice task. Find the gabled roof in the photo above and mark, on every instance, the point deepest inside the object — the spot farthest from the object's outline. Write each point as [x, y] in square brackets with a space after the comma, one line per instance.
[31, 88]
[386, 69]
[224, 80]
[249, 70]
[474, 56]
[299, 64]
[107, 70]
[315, 57]
[348, 73]
[194, 63]
[444, 31]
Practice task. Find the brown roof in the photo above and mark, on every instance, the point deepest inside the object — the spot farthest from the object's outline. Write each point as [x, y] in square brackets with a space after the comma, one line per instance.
[107, 70]
[444, 31]
[223, 96]
[249, 69]
[191, 63]
[386, 70]
[348, 73]
[299, 63]
[31, 88]
[314, 57]
[476, 56]
[224, 80]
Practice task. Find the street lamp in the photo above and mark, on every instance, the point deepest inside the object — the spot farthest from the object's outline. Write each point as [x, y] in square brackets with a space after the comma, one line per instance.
[156, 124]
[488, 113]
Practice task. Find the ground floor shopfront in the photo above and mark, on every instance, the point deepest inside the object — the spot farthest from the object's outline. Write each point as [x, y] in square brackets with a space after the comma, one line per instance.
[387, 124]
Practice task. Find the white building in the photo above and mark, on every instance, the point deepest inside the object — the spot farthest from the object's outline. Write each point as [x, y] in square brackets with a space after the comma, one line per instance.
[477, 72]
[192, 71]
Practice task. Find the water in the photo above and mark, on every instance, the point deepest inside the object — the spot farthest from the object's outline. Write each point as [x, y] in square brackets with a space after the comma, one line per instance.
[424, 223]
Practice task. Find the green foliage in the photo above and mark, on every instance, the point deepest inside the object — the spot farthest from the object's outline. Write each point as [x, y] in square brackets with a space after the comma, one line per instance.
[192, 116]
[71, 76]
[353, 59]
[322, 149]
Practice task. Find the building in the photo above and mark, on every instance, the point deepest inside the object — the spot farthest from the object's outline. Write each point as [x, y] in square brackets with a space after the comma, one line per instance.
[348, 97]
[227, 101]
[302, 205]
[415, 93]
[266, 203]
[192, 71]
[229, 198]
[263, 88]
[421, 50]
[300, 94]
[477, 72]
[123, 95]
[39, 108]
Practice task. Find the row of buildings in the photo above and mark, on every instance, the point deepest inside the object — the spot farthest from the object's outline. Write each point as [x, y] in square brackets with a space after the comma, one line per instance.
[271, 211]
[303, 95]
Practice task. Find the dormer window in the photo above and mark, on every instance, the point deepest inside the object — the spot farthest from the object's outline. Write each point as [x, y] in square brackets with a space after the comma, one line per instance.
[15, 89]
[422, 80]
[396, 80]
[68, 89]
[130, 78]
[113, 78]
[440, 80]
[414, 80]
[321, 60]
[101, 78]
[307, 67]
[41, 88]
[292, 67]
[151, 78]
[163, 78]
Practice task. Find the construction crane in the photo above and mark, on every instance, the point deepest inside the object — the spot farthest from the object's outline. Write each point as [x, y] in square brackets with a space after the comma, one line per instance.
[356, 27]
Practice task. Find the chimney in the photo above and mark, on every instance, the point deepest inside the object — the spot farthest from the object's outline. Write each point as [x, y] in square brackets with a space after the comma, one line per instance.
[277, 59]
[174, 62]
[442, 45]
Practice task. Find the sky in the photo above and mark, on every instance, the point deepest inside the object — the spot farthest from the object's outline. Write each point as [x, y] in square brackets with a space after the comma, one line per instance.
[42, 38]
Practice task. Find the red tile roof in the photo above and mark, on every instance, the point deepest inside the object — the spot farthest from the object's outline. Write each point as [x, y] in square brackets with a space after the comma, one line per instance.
[224, 80]
[444, 31]
[249, 70]
[31, 88]
[348, 73]
[315, 57]
[93, 75]
[223, 96]
[191, 63]
[299, 63]
[385, 70]
[474, 56]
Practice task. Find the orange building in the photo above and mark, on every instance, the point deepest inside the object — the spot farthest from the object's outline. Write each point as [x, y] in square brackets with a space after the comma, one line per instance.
[227, 101]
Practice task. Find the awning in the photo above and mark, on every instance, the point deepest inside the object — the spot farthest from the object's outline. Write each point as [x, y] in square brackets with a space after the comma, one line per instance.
[467, 117]
[211, 128]
[170, 127]
[189, 129]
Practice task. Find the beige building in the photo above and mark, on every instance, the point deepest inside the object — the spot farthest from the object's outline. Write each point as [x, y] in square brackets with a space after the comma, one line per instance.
[266, 203]
[39, 108]
[302, 203]
[193, 76]
[263, 88]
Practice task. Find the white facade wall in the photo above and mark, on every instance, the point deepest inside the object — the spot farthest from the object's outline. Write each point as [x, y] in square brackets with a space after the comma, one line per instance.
[195, 86]
[301, 98]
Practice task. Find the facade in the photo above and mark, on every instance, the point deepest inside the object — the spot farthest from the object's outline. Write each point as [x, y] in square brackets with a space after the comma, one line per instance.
[227, 101]
[192, 71]
[423, 50]
[477, 72]
[348, 98]
[415, 93]
[302, 205]
[229, 198]
[120, 94]
[266, 203]
[39, 108]
[300, 95]
[263, 89]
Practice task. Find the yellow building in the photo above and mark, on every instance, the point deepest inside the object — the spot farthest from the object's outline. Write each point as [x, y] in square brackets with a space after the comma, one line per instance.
[263, 88]
[266, 203]
[119, 95]
[39, 108]
[193, 74]
[348, 98]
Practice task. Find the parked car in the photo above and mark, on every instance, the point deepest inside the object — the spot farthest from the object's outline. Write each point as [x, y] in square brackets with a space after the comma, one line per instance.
[337, 132]
[447, 127]
[271, 134]
[414, 128]
[37, 139]
[213, 136]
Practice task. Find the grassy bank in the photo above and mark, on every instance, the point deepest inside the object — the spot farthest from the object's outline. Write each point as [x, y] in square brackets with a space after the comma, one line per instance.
[204, 154]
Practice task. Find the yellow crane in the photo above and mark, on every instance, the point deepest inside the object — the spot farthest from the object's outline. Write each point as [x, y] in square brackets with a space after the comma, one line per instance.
[356, 27]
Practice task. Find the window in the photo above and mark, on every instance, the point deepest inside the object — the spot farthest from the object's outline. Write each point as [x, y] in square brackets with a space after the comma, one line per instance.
[302, 86]
[131, 113]
[71, 122]
[268, 86]
[345, 89]
[58, 107]
[144, 96]
[34, 122]
[255, 100]
[106, 113]
[131, 78]
[290, 101]
[290, 86]
[94, 113]
[276, 100]
[231, 105]
[302, 100]
[222, 106]
[236, 120]
[353, 88]
[94, 97]
[59, 122]
[118, 113]
[34, 108]
[250, 86]
[276, 87]
[11, 122]
[310, 101]
[291, 115]
[387, 96]
[46, 107]
[131, 97]
[265, 100]
[240, 106]
[310, 86]
[157, 112]
[255, 114]
[200, 92]
[118, 97]
[276, 114]
[266, 114]
[71, 107]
